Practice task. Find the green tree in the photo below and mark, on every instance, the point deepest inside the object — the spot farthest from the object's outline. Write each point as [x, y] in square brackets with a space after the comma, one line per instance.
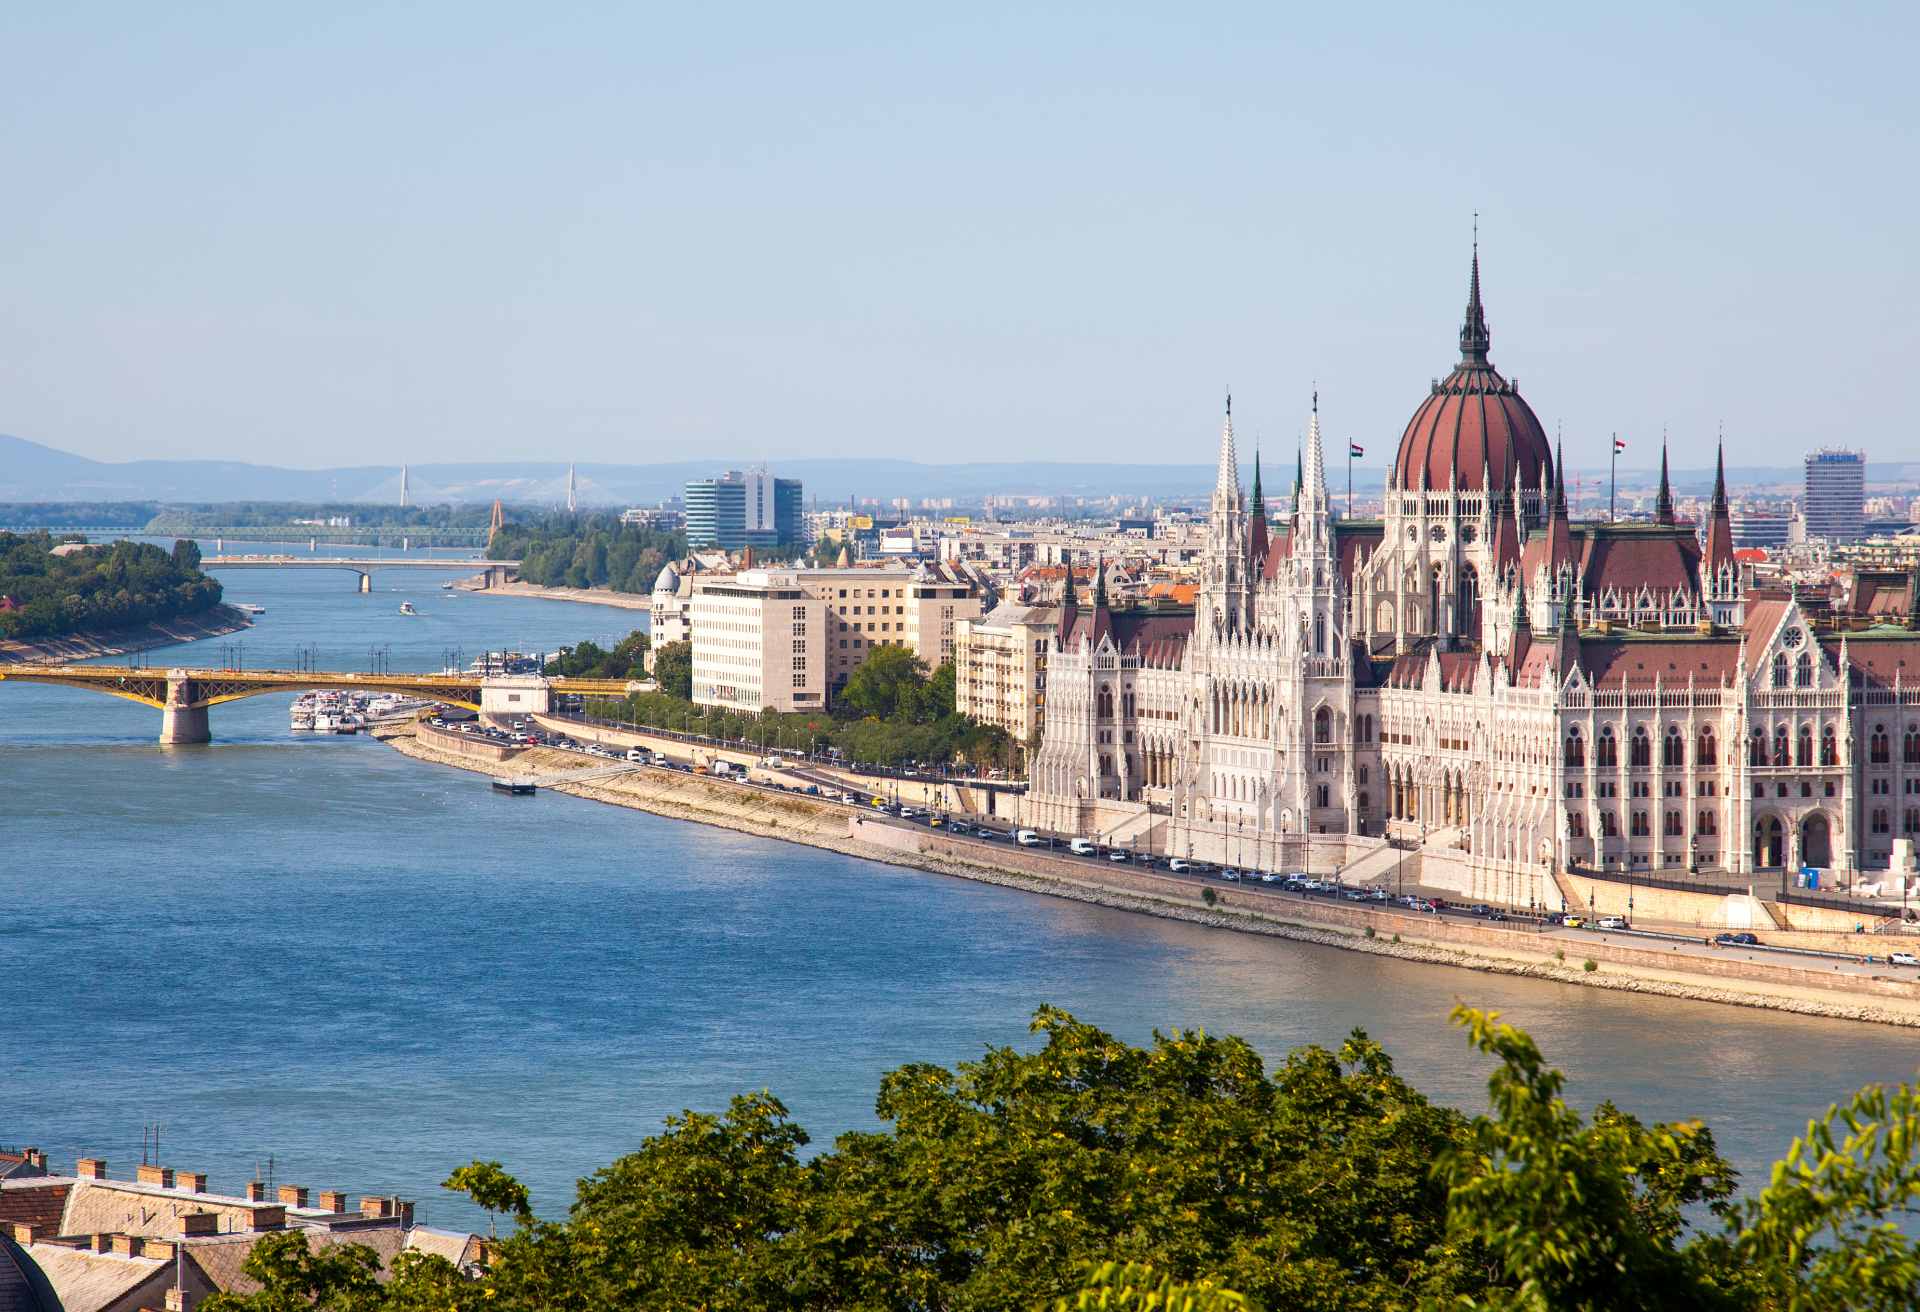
[890, 682]
[673, 669]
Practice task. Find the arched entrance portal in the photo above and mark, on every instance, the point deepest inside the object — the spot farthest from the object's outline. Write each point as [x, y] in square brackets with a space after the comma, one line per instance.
[1816, 841]
[1768, 843]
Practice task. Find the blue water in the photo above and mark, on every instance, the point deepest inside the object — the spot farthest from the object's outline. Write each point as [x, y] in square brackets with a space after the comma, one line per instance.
[374, 969]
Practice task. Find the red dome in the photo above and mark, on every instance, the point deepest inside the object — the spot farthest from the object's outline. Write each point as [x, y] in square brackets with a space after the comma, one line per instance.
[1474, 425]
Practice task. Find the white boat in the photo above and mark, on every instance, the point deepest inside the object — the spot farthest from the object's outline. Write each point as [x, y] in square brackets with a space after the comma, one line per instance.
[406, 608]
[248, 608]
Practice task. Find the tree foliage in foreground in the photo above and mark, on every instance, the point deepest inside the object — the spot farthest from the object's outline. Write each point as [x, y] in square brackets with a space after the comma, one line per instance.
[1183, 1177]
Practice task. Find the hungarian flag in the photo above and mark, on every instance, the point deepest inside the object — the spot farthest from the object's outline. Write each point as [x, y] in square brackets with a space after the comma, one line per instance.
[1355, 450]
[1618, 446]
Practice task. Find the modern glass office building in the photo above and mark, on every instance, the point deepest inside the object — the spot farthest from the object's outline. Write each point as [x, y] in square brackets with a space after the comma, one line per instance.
[751, 509]
[1836, 493]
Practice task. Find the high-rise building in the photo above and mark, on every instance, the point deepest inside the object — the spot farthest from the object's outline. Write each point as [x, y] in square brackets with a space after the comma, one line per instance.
[1836, 493]
[751, 509]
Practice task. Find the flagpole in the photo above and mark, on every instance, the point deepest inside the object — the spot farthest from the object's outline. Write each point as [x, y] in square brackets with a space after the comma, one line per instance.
[1613, 472]
[1349, 478]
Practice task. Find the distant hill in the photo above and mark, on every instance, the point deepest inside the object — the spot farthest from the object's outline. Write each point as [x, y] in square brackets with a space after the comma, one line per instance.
[30, 471]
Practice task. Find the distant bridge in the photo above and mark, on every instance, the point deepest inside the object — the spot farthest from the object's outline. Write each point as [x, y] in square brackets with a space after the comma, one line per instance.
[495, 570]
[183, 696]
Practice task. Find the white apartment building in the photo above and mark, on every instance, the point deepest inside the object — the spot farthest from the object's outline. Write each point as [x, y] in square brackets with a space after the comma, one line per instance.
[1000, 667]
[788, 639]
[758, 642]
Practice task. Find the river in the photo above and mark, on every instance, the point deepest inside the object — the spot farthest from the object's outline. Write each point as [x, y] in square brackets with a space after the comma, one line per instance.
[371, 969]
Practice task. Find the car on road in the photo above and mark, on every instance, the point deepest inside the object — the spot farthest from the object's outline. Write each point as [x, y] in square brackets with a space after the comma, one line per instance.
[1081, 847]
[1354, 895]
[1118, 855]
[1479, 909]
[1574, 922]
[1902, 959]
[1741, 940]
[1027, 838]
[1613, 922]
[1271, 878]
[1230, 875]
[1178, 866]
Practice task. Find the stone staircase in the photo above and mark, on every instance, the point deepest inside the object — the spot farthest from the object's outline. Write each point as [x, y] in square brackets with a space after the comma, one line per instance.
[1375, 865]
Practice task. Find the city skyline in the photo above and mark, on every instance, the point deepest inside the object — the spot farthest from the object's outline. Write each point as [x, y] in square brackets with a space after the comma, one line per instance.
[862, 235]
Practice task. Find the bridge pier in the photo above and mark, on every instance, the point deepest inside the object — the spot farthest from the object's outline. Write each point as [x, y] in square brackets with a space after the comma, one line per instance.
[366, 583]
[181, 722]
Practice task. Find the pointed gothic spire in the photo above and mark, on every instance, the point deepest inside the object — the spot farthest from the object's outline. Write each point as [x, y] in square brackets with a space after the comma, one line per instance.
[1314, 469]
[1099, 581]
[1257, 539]
[1663, 503]
[1719, 520]
[1226, 481]
[1521, 624]
[1559, 478]
[1299, 478]
[1474, 338]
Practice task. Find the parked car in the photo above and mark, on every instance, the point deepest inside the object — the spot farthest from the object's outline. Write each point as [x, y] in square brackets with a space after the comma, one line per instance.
[1741, 940]
[1902, 959]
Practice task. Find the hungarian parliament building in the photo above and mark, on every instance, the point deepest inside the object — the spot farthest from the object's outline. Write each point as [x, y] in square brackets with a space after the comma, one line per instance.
[1479, 675]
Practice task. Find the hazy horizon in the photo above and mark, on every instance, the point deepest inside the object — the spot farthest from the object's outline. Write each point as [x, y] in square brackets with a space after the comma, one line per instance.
[479, 233]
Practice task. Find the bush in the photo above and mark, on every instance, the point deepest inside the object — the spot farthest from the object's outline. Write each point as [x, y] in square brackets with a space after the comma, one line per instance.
[1370, 931]
[1591, 965]
[1207, 895]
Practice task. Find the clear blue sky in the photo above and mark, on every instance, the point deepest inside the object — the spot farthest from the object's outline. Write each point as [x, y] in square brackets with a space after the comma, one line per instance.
[338, 233]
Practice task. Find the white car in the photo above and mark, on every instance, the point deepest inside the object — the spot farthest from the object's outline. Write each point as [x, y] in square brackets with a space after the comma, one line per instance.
[1902, 959]
[1081, 847]
[1178, 866]
[1613, 922]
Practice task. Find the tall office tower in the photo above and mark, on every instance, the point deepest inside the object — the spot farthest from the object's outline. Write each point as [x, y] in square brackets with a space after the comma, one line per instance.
[744, 509]
[1836, 493]
[573, 498]
[403, 486]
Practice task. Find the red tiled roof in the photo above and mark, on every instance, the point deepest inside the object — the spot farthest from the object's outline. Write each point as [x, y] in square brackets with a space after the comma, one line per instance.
[1878, 662]
[1159, 639]
[1639, 662]
[35, 1204]
[1628, 558]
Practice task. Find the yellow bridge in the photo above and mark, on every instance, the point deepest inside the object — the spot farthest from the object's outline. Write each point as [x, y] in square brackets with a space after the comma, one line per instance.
[183, 696]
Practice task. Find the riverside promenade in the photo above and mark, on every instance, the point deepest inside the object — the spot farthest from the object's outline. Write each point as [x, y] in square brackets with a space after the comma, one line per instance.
[1678, 967]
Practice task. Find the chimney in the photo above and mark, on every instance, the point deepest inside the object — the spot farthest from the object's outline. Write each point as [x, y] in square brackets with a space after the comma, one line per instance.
[195, 1224]
[404, 1210]
[267, 1218]
[332, 1200]
[177, 1300]
[155, 1174]
[25, 1234]
[126, 1246]
[37, 1160]
[101, 1243]
[293, 1195]
[194, 1182]
[91, 1168]
[373, 1209]
[159, 1249]
[256, 1191]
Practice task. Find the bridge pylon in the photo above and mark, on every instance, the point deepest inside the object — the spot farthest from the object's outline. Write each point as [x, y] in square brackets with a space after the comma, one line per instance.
[182, 723]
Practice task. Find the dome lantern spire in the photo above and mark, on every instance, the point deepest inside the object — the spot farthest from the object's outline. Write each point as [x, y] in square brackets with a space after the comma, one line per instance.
[1475, 341]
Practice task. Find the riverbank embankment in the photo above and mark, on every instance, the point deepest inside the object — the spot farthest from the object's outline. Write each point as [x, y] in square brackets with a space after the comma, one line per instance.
[586, 596]
[215, 623]
[1626, 964]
